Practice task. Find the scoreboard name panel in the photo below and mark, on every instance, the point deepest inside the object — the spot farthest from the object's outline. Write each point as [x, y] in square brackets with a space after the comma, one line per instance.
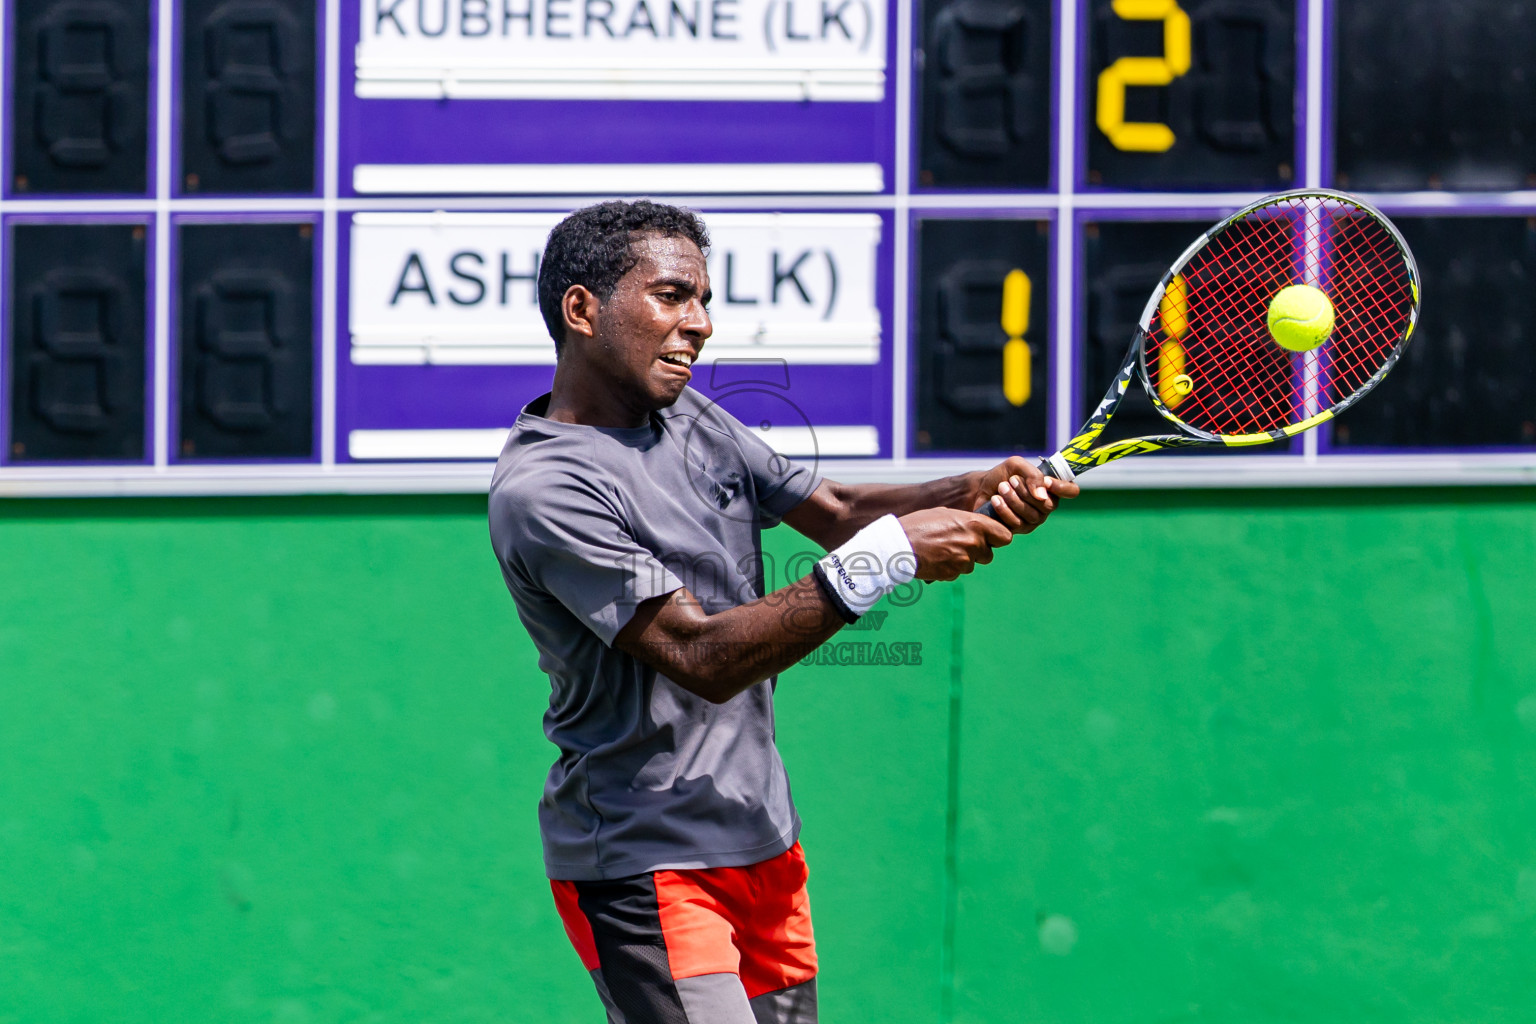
[795, 299]
[296, 250]
[459, 288]
[623, 49]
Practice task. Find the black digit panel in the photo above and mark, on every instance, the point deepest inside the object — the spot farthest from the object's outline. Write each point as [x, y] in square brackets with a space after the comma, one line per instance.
[1465, 379]
[982, 363]
[77, 341]
[1435, 95]
[1124, 262]
[986, 93]
[1192, 94]
[245, 340]
[248, 96]
[80, 97]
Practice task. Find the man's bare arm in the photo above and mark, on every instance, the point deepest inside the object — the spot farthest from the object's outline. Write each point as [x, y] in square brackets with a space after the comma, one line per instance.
[718, 656]
[835, 511]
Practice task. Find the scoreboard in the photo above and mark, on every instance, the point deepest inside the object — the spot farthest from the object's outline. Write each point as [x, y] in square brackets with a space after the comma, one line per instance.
[261, 246]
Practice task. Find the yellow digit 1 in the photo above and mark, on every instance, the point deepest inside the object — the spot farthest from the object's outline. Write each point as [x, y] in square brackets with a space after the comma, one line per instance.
[1173, 384]
[1143, 136]
[1016, 369]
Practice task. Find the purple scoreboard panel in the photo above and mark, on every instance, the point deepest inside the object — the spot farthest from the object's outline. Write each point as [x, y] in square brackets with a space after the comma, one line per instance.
[257, 246]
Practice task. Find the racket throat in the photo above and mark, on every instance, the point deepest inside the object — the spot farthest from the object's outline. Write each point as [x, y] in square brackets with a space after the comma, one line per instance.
[1058, 467]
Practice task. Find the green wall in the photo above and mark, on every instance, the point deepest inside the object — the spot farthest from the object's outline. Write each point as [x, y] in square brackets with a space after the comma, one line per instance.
[1239, 757]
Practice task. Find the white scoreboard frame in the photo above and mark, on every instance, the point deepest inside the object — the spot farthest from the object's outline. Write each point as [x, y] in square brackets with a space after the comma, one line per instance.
[853, 188]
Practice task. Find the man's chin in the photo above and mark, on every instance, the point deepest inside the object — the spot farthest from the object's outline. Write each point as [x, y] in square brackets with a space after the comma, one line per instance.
[666, 397]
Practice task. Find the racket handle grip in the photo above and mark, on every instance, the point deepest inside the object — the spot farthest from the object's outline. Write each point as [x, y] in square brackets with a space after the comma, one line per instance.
[1051, 465]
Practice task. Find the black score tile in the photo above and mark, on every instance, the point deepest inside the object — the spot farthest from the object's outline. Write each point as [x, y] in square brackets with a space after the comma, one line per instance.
[248, 96]
[77, 343]
[984, 69]
[962, 403]
[1226, 119]
[245, 340]
[1465, 379]
[79, 97]
[1435, 95]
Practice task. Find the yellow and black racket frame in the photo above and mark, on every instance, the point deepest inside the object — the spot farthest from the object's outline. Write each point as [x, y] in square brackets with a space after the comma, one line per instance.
[1079, 454]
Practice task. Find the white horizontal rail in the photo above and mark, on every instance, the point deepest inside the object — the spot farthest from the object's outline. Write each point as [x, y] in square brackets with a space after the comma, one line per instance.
[1162, 472]
[799, 442]
[648, 179]
[719, 84]
[456, 354]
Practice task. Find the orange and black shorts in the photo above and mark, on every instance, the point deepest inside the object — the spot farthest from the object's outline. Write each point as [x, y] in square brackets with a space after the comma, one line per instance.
[711, 946]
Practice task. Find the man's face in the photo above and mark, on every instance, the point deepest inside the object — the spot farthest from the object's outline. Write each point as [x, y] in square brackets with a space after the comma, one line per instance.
[651, 329]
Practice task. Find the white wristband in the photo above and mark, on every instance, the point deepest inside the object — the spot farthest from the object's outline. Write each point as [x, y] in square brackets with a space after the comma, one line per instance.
[877, 560]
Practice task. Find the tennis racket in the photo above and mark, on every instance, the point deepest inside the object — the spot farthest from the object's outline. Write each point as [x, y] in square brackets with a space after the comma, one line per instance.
[1203, 349]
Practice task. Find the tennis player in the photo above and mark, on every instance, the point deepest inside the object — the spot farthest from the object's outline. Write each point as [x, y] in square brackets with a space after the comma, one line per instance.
[626, 514]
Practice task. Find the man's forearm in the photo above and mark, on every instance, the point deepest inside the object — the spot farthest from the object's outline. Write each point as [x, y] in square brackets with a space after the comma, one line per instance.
[718, 656]
[834, 512]
[862, 504]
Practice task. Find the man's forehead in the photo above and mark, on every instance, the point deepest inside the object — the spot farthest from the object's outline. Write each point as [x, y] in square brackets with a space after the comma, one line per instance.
[667, 254]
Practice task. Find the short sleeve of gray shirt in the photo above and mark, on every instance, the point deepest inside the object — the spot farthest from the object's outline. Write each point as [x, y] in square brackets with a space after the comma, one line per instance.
[588, 522]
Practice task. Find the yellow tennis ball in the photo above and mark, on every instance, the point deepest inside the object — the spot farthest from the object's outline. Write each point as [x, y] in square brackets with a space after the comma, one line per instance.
[1300, 317]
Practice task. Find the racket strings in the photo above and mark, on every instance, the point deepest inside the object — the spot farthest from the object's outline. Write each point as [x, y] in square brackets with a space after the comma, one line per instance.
[1237, 284]
[1238, 380]
[1239, 383]
[1252, 388]
[1371, 312]
[1249, 375]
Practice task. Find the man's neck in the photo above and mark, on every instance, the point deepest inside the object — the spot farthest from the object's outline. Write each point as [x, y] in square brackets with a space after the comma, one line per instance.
[586, 398]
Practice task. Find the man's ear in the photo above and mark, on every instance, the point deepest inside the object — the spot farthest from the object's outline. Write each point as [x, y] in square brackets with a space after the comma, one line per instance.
[579, 309]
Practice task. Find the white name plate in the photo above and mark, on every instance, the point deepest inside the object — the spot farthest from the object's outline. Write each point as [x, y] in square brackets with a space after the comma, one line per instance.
[623, 49]
[439, 288]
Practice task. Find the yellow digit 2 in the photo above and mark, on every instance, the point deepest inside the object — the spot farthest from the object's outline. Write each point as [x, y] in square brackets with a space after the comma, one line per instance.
[1143, 136]
[1015, 319]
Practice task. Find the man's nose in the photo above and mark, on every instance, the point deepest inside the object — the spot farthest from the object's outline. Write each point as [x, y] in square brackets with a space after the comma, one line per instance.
[696, 320]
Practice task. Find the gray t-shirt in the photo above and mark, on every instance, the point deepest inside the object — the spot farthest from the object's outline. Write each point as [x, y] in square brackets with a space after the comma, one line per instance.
[587, 522]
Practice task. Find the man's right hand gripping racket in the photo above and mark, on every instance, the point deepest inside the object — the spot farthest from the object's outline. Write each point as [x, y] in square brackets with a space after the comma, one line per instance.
[1231, 362]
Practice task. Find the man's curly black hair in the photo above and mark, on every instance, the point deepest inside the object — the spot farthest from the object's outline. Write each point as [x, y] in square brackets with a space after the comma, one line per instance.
[593, 247]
